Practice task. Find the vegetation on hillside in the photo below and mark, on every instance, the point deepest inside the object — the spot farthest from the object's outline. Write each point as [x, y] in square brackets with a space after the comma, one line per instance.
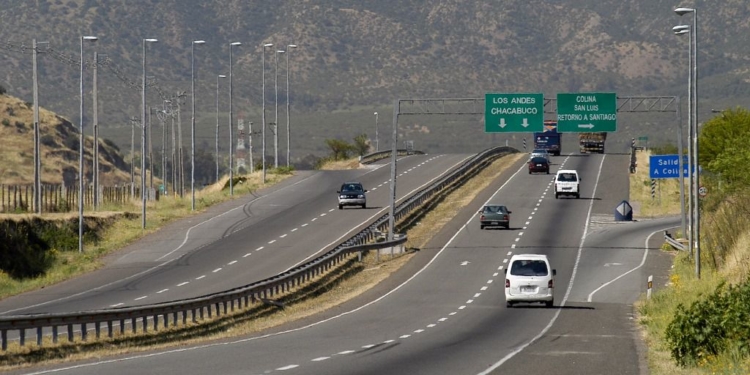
[702, 324]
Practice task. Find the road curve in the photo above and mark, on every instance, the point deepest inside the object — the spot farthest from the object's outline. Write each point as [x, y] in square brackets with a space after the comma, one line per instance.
[445, 313]
[237, 242]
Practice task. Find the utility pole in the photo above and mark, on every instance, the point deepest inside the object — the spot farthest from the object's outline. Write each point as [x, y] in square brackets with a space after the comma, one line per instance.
[174, 151]
[179, 152]
[150, 150]
[95, 172]
[37, 158]
[250, 146]
[133, 121]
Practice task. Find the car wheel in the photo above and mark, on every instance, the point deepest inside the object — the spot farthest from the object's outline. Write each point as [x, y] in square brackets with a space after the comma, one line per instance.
[529, 171]
[507, 226]
[549, 303]
[364, 205]
[341, 206]
[509, 304]
[481, 227]
[557, 196]
[578, 196]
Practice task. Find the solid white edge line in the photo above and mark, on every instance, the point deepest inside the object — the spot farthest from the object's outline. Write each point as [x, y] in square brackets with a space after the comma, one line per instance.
[185, 241]
[643, 261]
[567, 292]
[181, 350]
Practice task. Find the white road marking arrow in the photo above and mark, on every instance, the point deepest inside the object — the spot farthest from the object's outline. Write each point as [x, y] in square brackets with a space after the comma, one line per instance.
[525, 123]
[464, 263]
[502, 123]
[588, 126]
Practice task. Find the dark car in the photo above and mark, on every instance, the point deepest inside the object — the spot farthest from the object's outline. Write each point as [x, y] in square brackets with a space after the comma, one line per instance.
[352, 194]
[494, 216]
[538, 164]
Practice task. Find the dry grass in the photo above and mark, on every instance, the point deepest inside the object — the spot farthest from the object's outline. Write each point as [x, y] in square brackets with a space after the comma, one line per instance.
[338, 286]
[667, 198]
[335, 165]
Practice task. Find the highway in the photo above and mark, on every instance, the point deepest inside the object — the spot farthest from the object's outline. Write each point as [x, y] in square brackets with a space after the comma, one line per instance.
[444, 313]
[237, 242]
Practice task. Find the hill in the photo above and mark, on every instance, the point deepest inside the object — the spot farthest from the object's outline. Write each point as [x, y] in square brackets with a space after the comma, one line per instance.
[59, 141]
[356, 57]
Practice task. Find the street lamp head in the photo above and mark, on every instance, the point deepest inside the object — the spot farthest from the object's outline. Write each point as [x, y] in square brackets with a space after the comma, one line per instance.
[151, 40]
[292, 46]
[268, 45]
[235, 44]
[682, 32]
[91, 38]
[681, 28]
[683, 11]
[199, 42]
[375, 113]
[222, 76]
[280, 51]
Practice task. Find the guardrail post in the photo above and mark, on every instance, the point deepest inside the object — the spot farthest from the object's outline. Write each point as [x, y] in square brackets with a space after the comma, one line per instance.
[70, 333]
[84, 332]
[22, 336]
[166, 319]
[4, 339]
[184, 318]
[122, 326]
[54, 334]
[144, 322]
[134, 323]
[39, 336]
[209, 311]
[156, 322]
[98, 329]
[109, 329]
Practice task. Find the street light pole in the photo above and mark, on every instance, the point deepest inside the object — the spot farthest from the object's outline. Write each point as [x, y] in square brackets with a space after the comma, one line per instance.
[288, 143]
[377, 139]
[231, 119]
[680, 30]
[217, 124]
[263, 117]
[276, 118]
[143, 135]
[696, 181]
[192, 123]
[80, 154]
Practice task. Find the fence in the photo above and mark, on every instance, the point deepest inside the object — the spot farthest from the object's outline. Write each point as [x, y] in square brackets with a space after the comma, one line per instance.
[261, 291]
[60, 198]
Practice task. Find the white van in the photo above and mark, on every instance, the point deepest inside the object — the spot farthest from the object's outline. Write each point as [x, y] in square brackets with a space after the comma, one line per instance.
[529, 278]
[567, 182]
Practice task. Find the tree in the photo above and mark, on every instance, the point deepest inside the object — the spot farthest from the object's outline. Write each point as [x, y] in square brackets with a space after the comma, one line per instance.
[723, 144]
[361, 144]
[339, 149]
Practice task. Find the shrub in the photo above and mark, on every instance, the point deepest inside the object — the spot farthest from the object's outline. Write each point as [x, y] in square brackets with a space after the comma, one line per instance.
[716, 323]
[6, 122]
[2, 90]
[48, 140]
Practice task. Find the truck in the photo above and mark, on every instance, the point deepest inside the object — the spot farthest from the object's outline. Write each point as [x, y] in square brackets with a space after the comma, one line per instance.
[592, 142]
[549, 139]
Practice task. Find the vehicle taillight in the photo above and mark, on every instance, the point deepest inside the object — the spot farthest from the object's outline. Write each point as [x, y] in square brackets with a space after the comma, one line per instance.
[507, 283]
[551, 284]
[505, 217]
[481, 217]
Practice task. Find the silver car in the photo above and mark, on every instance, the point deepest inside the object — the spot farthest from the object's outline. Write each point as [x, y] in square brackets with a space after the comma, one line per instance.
[540, 153]
[352, 194]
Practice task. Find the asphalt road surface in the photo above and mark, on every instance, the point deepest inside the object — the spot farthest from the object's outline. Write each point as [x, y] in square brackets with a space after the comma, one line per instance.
[445, 313]
[237, 242]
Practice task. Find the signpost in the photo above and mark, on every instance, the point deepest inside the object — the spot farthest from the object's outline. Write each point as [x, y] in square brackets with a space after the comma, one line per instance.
[667, 166]
[586, 112]
[513, 113]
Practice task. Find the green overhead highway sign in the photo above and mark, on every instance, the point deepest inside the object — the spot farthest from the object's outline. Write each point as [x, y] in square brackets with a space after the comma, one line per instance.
[513, 113]
[587, 112]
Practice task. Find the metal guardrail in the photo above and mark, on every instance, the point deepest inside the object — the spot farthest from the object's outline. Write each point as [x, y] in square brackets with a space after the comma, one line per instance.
[240, 297]
[677, 245]
[375, 156]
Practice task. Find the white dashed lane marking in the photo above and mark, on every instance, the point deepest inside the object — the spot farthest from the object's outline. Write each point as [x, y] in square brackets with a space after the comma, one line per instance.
[183, 283]
[345, 352]
[247, 255]
[217, 270]
[259, 249]
[117, 304]
[140, 298]
[287, 367]
[282, 236]
[200, 277]
[231, 263]
[272, 241]
[404, 336]
[320, 359]
[162, 291]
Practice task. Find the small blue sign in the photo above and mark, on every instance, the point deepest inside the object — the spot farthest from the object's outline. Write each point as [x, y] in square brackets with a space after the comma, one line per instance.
[667, 166]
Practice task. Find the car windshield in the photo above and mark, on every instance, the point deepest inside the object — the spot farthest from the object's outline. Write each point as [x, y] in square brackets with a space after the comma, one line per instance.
[351, 188]
[539, 152]
[529, 267]
[567, 177]
[495, 209]
[539, 160]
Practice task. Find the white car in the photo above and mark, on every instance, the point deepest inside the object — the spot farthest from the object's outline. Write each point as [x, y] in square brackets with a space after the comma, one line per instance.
[540, 153]
[567, 182]
[529, 278]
